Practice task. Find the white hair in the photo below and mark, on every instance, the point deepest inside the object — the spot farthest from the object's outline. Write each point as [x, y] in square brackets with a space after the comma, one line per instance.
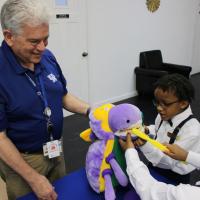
[17, 13]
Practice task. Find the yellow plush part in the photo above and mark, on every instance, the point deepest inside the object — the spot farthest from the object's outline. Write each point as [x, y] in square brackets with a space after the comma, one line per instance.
[105, 165]
[101, 113]
[85, 135]
[144, 136]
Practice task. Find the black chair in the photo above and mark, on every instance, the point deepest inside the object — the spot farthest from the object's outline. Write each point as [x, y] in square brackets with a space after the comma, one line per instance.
[151, 68]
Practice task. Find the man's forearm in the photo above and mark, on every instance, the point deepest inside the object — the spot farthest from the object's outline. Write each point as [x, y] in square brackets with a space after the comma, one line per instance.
[74, 104]
[11, 156]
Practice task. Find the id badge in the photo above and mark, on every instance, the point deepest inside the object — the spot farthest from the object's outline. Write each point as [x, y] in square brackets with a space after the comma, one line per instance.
[52, 149]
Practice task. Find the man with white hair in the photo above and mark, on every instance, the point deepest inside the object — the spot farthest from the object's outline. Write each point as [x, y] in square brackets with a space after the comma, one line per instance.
[32, 95]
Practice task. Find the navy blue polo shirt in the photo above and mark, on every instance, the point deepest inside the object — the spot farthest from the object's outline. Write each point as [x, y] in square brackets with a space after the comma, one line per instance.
[21, 106]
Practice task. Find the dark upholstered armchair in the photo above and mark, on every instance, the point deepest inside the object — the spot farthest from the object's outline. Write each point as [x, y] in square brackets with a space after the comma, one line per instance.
[152, 67]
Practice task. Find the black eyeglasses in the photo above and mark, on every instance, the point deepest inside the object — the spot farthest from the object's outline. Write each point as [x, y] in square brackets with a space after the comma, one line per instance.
[163, 104]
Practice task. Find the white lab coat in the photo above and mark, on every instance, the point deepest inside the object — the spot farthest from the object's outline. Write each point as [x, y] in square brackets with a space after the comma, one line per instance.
[149, 188]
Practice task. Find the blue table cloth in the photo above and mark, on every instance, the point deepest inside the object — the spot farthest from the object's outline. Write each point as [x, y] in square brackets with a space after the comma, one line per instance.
[76, 187]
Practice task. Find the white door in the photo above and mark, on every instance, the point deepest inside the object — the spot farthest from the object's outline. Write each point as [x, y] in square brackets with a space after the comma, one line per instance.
[1, 34]
[68, 41]
[1, 37]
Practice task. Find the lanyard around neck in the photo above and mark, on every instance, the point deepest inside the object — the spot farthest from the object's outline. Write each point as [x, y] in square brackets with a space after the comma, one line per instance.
[42, 94]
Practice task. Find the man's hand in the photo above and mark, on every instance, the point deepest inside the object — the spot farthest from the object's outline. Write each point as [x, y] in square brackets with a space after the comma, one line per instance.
[126, 144]
[176, 152]
[43, 189]
[11, 156]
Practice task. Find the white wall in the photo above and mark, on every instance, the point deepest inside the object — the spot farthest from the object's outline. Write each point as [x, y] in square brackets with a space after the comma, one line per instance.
[196, 43]
[119, 29]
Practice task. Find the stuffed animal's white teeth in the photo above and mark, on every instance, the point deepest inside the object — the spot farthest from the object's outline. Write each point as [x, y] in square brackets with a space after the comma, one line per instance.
[121, 133]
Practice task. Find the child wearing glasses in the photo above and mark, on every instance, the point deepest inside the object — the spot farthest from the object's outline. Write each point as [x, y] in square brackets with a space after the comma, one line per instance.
[174, 124]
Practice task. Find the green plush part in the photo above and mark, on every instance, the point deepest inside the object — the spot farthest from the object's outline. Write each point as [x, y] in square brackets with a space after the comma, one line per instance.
[120, 158]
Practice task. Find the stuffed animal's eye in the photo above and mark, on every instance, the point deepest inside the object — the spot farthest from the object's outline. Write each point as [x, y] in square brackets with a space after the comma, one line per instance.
[128, 121]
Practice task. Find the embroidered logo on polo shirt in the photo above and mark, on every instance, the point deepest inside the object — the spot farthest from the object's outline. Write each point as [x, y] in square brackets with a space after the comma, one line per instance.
[52, 77]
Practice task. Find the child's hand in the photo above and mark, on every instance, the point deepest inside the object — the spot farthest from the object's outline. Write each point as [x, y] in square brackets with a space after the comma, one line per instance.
[139, 142]
[146, 130]
[176, 152]
[128, 143]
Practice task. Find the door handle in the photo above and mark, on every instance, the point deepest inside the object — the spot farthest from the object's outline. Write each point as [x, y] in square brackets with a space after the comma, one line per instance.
[85, 54]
